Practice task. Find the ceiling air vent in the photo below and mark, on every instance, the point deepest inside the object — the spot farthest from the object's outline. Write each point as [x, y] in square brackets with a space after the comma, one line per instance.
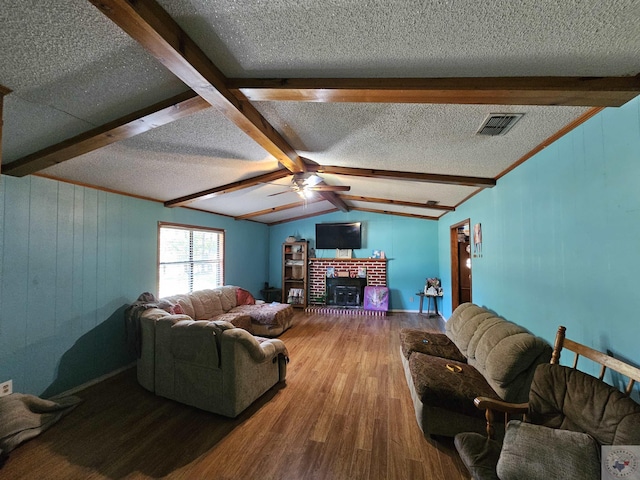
[498, 123]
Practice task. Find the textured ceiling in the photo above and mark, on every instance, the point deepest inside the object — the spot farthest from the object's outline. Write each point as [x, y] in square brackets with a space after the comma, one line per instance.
[71, 69]
[414, 138]
[403, 38]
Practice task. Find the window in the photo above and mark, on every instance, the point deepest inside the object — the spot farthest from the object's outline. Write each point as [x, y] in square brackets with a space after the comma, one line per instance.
[189, 258]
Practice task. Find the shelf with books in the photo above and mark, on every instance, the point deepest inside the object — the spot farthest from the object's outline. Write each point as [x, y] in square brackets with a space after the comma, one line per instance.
[295, 273]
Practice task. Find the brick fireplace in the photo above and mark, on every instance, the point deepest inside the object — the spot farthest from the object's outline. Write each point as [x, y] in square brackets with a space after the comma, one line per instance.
[345, 291]
[376, 270]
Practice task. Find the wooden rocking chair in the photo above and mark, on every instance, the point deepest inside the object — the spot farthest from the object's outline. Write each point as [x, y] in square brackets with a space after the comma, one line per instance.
[569, 416]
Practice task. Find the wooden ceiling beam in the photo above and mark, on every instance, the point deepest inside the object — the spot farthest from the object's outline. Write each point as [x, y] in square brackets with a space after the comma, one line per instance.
[335, 200]
[3, 91]
[228, 188]
[153, 28]
[128, 126]
[399, 214]
[280, 208]
[302, 217]
[384, 201]
[481, 182]
[323, 187]
[249, 182]
[566, 91]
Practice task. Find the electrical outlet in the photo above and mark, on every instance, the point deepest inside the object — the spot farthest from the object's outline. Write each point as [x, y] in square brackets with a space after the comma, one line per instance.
[6, 388]
[411, 299]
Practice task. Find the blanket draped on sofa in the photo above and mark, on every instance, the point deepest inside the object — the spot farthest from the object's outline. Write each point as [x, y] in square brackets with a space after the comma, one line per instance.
[132, 316]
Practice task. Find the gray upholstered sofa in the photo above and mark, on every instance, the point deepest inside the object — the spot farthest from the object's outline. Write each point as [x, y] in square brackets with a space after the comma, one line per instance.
[479, 354]
[210, 365]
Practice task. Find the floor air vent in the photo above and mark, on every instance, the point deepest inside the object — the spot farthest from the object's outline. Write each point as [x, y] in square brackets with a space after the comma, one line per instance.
[498, 123]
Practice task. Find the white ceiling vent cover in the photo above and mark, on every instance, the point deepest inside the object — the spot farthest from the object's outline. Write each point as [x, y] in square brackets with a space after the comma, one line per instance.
[498, 123]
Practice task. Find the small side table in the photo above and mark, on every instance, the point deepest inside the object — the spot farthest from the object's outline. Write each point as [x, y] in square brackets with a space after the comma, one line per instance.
[435, 303]
[429, 299]
[271, 294]
[421, 295]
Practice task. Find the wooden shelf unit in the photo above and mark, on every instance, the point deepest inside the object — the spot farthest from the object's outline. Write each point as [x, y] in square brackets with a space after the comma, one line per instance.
[295, 274]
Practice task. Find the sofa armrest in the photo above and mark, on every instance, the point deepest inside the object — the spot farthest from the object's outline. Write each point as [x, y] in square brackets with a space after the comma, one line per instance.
[259, 351]
[491, 405]
[484, 403]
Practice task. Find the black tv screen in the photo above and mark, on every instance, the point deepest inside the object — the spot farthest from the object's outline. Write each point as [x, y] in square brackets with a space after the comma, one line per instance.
[338, 235]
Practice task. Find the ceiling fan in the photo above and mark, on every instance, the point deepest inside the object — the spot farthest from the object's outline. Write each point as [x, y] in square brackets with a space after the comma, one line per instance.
[305, 184]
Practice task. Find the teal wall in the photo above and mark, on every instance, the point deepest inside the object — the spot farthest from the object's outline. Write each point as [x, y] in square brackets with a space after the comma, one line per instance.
[560, 247]
[560, 237]
[410, 245]
[71, 259]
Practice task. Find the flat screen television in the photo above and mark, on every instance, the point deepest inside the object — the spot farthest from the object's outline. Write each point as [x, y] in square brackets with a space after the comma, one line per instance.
[339, 235]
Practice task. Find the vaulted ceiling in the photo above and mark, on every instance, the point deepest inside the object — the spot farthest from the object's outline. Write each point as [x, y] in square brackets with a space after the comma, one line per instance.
[216, 105]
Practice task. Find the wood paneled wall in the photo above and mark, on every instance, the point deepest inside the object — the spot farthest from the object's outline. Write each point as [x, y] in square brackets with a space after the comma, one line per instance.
[71, 259]
[3, 91]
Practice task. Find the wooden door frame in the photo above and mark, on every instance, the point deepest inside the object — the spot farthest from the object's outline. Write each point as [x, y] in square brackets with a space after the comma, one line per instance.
[455, 264]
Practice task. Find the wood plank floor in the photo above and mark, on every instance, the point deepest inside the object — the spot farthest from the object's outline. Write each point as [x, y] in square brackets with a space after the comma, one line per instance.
[345, 413]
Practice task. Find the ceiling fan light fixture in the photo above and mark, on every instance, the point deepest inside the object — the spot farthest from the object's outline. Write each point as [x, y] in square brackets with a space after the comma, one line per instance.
[312, 180]
[305, 193]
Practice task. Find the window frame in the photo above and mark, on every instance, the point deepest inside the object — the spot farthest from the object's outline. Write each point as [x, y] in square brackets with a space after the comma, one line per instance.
[190, 228]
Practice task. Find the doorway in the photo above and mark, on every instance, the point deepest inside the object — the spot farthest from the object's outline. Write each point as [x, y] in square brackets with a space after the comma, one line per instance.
[460, 263]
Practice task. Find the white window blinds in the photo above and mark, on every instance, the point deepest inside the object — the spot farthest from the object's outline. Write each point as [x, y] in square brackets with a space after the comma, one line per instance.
[189, 259]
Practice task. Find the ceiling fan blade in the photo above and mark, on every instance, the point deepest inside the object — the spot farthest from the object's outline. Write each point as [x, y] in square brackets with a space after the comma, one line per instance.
[329, 188]
[279, 193]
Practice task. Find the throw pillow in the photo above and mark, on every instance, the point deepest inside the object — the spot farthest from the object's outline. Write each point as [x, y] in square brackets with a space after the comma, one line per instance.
[243, 297]
[166, 305]
[177, 310]
[535, 452]
[172, 308]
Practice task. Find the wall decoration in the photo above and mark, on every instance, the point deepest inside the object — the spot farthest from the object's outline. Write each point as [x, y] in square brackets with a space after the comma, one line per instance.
[477, 240]
[432, 287]
[376, 298]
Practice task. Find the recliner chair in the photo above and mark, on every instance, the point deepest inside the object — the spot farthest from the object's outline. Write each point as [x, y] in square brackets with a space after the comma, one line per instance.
[569, 417]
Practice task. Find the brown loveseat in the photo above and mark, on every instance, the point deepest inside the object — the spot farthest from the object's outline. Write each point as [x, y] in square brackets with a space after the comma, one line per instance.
[479, 354]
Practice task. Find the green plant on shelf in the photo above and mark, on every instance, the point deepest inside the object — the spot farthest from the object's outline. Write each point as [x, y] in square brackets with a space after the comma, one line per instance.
[320, 299]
